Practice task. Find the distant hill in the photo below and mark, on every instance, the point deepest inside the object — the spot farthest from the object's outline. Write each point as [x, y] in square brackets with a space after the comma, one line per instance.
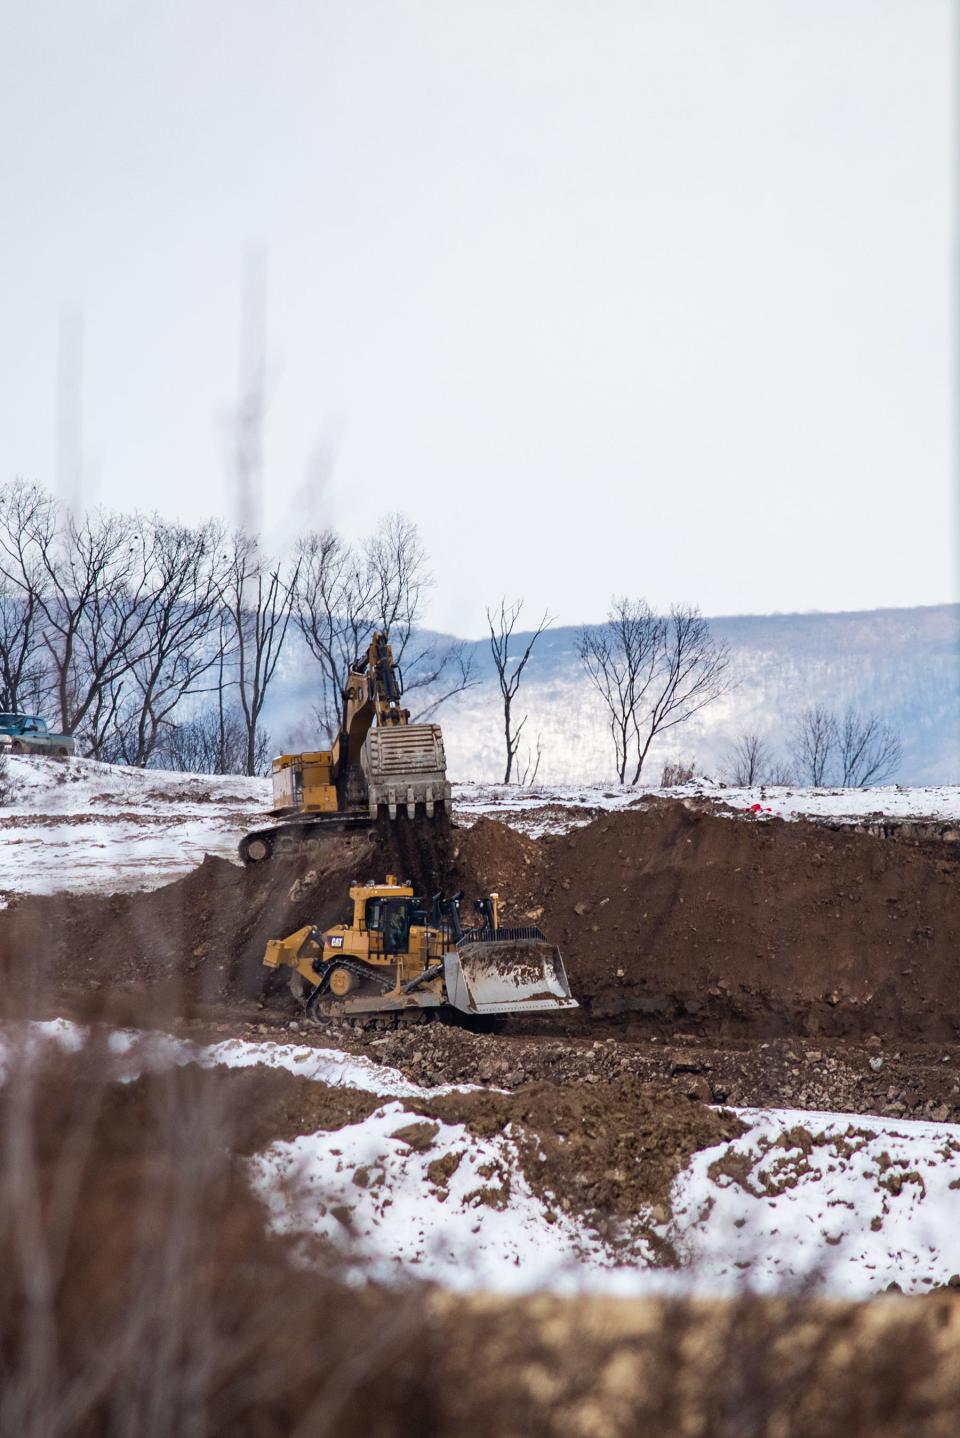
[904, 663]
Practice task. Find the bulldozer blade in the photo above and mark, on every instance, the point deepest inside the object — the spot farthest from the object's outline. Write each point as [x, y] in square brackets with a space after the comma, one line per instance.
[505, 976]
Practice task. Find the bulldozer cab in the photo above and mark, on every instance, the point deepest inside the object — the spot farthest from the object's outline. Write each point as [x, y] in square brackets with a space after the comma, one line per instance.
[389, 919]
[396, 918]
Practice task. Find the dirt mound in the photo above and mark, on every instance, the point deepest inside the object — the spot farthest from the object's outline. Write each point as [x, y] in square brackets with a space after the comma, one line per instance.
[667, 919]
[773, 927]
[200, 940]
[673, 918]
[606, 1154]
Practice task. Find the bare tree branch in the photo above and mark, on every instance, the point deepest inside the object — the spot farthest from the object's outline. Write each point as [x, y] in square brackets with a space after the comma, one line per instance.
[259, 604]
[868, 749]
[509, 669]
[528, 769]
[813, 744]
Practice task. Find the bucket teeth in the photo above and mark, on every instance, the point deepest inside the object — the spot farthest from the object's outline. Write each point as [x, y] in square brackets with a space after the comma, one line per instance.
[405, 767]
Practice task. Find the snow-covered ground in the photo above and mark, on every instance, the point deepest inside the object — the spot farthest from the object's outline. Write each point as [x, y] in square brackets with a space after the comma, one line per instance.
[459, 1212]
[539, 809]
[76, 825]
[843, 1203]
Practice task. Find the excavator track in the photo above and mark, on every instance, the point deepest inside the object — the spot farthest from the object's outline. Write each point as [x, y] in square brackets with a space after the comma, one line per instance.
[298, 837]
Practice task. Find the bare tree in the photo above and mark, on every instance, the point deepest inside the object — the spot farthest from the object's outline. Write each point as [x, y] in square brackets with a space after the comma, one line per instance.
[88, 584]
[334, 598]
[620, 657]
[213, 741]
[653, 673]
[396, 563]
[813, 745]
[510, 669]
[750, 761]
[25, 510]
[868, 749]
[693, 670]
[259, 602]
[181, 651]
[344, 593]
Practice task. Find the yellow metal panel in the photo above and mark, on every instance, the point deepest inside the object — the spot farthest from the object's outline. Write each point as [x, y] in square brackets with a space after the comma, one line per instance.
[320, 798]
[318, 756]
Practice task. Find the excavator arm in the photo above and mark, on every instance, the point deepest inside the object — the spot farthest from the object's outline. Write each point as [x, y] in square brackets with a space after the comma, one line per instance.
[379, 764]
[378, 751]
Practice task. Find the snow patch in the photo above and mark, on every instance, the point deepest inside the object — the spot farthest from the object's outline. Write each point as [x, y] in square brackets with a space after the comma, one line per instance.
[458, 1212]
[836, 1201]
[844, 1204]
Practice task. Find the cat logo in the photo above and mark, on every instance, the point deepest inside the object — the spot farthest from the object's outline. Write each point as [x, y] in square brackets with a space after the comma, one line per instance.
[335, 941]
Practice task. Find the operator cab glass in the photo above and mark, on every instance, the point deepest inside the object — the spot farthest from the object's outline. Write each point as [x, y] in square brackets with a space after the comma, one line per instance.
[372, 914]
[397, 918]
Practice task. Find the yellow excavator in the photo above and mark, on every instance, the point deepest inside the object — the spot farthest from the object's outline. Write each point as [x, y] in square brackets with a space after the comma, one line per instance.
[404, 956]
[379, 764]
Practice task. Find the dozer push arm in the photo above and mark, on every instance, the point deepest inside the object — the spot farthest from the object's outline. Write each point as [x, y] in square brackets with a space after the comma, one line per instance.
[290, 949]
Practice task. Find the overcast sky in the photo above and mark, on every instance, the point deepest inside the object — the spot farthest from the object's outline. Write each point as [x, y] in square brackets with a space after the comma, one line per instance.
[642, 297]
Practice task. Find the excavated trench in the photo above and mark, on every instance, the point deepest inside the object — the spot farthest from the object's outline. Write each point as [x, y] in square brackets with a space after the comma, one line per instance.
[667, 919]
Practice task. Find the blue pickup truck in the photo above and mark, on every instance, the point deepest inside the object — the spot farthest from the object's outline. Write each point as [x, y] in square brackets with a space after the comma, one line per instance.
[28, 734]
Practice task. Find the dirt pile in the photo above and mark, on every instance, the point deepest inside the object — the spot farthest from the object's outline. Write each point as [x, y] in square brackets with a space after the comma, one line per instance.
[668, 919]
[605, 1154]
[199, 940]
[683, 919]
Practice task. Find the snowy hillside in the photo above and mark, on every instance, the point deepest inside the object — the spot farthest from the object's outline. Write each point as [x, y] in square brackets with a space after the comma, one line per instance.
[903, 663]
[74, 824]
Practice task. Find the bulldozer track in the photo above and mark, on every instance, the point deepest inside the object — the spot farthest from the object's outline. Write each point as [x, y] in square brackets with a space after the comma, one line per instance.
[355, 966]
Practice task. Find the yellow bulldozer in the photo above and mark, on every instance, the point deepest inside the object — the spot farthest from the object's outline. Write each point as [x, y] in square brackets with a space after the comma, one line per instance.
[378, 765]
[402, 955]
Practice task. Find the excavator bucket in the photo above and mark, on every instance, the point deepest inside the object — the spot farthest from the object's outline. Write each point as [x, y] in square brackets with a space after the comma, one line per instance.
[405, 767]
[505, 971]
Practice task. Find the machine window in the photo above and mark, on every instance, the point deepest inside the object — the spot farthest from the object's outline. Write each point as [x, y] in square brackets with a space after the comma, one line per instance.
[372, 914]
[396, 926]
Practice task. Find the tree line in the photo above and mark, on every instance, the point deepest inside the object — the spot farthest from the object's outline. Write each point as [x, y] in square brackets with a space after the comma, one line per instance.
[847, 749]
[157, 643]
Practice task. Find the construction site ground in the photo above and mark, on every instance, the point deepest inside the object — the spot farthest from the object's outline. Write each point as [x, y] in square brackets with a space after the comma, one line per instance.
[760, 1091]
